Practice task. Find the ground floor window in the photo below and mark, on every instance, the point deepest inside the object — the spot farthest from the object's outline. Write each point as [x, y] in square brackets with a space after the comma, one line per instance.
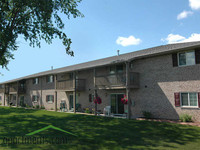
[50, 98]
[189, 99]
[35, 98]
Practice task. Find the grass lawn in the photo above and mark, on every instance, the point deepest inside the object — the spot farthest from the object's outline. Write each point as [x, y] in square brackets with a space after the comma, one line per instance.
[96, 132]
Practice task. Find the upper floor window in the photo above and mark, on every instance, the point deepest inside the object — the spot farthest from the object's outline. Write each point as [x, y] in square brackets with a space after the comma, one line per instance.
[112, 70]
[119, 68]
[71, 76]
[189, 99]
[116, 69]
[36, 81]
[50, 78]
[186, 58]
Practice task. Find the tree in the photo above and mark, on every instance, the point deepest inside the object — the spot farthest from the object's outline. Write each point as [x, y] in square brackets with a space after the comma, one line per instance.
[35, 20]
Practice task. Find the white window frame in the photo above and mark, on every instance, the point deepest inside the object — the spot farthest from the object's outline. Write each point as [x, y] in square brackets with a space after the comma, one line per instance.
[37, 98]
[36, 79]
[50, 102]
[188, 93]
[186, 62]
[49, 77]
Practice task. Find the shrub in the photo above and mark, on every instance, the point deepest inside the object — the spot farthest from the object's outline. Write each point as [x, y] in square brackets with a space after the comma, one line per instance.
[0, 103]
[147, 114]
[37, 106]
[51, 108]
[27, 106]
[87, 110]
[42, 107]
[185, 118]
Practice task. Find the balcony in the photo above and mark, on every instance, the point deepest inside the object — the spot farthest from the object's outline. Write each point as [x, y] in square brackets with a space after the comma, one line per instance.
[117, 81]
[13, 88]
[2, 90]
[21, 89]
[67, 85]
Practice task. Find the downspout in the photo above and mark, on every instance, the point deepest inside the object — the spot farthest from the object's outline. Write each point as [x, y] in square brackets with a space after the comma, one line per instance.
[55, 80]
[74, 85]
[95, 92]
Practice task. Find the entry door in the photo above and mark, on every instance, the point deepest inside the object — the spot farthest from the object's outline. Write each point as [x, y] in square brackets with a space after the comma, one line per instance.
[71, 102]
[117, 107]
[21, 101]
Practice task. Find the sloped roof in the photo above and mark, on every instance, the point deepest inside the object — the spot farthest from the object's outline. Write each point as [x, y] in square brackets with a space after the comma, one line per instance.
[163, 49]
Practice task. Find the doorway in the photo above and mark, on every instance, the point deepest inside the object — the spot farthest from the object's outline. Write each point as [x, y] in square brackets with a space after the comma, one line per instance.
[117, 107]
[21, 101]
[71, 102]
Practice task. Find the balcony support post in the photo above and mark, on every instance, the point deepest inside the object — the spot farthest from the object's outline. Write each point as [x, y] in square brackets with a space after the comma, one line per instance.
[41, 93]
[17, 97]
[128, 89]
[95, 92]
[74, 85]
[4, 99]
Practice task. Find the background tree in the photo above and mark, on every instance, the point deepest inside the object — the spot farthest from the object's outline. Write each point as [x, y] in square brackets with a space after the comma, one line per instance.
[35, 20]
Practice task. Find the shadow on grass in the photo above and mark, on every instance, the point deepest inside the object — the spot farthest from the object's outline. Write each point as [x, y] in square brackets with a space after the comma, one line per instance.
[8, 110]
[100, 132]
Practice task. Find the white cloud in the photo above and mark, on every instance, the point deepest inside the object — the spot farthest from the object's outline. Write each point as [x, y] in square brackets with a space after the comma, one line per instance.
[184, 14]
[194, 4]
[176, 38]
[131, 40]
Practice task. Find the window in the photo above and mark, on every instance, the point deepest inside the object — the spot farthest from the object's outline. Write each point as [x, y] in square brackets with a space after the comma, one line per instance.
[50, 98]
[119, 68]
[112, 70]
[186, 58]
[50, 78]
[116, 69]
[189, 99]
[35, 98]
[35, 80]
[71, 76]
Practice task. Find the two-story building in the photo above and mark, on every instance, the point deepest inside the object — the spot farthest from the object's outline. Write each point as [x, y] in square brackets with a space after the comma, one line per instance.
[163, 80]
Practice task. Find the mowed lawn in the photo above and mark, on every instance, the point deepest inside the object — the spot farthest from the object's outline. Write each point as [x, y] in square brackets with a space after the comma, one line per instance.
[96, 132]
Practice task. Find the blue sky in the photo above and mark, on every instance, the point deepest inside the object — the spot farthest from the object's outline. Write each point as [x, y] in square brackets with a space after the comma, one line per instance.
[109, 25]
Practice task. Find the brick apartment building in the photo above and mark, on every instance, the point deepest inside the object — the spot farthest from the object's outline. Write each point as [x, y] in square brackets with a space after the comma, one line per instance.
[163, 80]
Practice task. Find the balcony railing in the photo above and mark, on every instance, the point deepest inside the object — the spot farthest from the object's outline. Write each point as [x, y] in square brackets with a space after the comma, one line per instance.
[13, 88]
[2, 90]
[117, 80]
[67, 85]
[22, 89]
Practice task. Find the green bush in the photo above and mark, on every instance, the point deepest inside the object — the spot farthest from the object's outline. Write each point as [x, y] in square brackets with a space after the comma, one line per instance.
[51, 108]
[147, 114]
[42, 107]
[27, 106]
[0, 103]
[87, 110]
[185, 118]
[37, 106]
